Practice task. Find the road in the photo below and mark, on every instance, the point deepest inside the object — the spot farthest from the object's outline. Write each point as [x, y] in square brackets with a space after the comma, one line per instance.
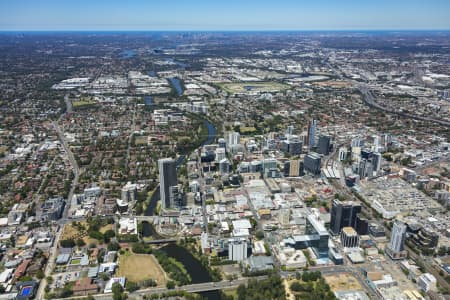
[64, 219]
[370, 100]
[191, 288]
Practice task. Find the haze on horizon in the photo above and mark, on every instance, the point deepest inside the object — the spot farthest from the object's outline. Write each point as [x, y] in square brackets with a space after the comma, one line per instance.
[83, 15]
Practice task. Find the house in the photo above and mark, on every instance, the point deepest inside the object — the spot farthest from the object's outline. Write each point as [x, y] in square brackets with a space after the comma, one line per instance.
[22, 268]
[84, 287]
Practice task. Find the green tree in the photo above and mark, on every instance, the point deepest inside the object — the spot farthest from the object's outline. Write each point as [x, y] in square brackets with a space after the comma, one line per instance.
[170, 285]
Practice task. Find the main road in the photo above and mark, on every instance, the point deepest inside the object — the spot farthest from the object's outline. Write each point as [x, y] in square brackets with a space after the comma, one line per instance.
[53, 251]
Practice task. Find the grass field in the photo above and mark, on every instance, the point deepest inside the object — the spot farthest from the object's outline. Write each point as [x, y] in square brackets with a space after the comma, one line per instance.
[138, 267]
[71, 232]
[83, 103]
[244, 87]
[342, 282]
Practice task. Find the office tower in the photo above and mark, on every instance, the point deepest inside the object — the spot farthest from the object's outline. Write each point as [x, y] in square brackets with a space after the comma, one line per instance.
[311, 163]
[343, 214]
[398, 235]
[312, 133]
[324, 145]
[220, 154]
[343, 153]
[269, 163]
[237, 249]
[295, 146]
[289, 130]
[362, 225]
[167, 179]
[234, 138]
[286, 168]
[294, 168]
[129, 192]
[376, 161]
[222, 143]
[224, 166]
[349, 238]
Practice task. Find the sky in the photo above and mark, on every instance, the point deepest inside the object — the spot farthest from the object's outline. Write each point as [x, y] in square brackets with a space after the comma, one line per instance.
[230, 15]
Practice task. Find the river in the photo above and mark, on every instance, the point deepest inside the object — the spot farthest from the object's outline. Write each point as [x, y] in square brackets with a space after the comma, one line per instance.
[195, 269]
[176, 83]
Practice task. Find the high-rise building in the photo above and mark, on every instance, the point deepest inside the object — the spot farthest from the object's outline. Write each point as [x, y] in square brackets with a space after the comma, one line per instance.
[167, 179]
[237, 249]
[311, 163]
[396, 247]
[343, 153]
[294, 168]
[312, 133]
[343, 214]
[233, 138]
[324, 145]
[349, 238]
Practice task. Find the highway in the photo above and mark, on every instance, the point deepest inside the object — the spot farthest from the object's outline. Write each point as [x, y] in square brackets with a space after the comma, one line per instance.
[370, 100]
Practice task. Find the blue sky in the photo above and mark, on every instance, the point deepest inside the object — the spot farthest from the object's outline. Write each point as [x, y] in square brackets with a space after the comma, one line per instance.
[224, 15]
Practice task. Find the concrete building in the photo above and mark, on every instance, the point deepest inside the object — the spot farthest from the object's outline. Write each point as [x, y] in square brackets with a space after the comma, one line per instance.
[237, 249]
[167, 179]
[128, 192]
[343, 214]
[349, 238]
[311, 163]
[312, 133]
[396, 247]
[427, 282]
[324, 144]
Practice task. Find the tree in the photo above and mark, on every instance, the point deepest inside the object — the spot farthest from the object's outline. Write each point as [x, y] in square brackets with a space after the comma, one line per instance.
[117, 291]
[131, 286]
[108, 235]
[170, 285]
[80, 243]
[49, 279]
[113, 246]
[40, 274]
[259, 235]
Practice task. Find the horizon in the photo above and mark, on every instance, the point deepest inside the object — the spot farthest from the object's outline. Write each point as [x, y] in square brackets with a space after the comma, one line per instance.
[232, 15]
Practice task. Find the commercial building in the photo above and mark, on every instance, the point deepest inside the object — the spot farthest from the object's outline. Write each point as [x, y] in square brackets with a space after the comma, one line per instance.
[312, 133]
[396, 247]
[324, 144]
[167, 179]
[128, 192]
[237, 249]
[427, 282]
[343, 214]
[316, 237]
[311, 163]
[349, 238]
[52, 209]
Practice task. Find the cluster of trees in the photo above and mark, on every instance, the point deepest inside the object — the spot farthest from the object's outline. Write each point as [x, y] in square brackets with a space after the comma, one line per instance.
[270, 288]
[141, 248]
[311, 286]
[175, 269]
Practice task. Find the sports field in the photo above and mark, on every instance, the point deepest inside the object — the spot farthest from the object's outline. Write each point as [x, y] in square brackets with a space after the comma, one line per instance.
[248, 87]
[139, 267]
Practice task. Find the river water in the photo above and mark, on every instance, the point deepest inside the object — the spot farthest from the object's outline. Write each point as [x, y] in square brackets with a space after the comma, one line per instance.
[195, 269]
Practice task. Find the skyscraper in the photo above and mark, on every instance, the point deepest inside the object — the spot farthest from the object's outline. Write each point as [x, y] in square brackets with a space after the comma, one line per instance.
[324, 145]
[167, 179]
[312, 133]
[398, 235]
[343, 214]
[312, 163]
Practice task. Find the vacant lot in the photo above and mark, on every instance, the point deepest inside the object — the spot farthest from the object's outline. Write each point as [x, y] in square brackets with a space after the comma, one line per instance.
[244, 87]
[139, 267]
[342, 282]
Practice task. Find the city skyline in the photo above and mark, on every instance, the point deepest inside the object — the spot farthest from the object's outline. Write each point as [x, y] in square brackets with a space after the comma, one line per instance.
[51, 15]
